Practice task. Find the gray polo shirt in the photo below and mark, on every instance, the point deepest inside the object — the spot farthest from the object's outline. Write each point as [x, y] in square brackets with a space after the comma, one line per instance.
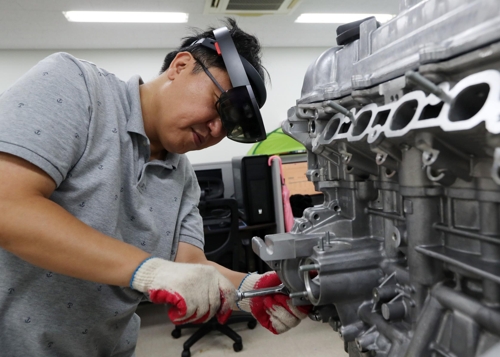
[84, 128]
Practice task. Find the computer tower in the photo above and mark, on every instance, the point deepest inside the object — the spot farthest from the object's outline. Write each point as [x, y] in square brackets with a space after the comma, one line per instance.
[253, 189]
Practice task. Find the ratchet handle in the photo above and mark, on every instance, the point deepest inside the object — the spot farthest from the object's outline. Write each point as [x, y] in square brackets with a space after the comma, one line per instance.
[280, 289]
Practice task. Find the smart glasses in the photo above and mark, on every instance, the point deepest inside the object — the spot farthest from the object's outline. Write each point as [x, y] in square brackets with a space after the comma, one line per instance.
[238, 107]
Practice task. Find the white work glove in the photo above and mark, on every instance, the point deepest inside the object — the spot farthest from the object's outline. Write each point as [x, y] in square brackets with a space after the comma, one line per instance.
[275, 312]
[195, 292]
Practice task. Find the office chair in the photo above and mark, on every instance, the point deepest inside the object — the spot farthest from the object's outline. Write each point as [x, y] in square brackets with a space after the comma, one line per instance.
[222, 245]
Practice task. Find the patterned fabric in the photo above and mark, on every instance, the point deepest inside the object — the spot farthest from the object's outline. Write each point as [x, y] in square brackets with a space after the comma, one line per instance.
[83, 127]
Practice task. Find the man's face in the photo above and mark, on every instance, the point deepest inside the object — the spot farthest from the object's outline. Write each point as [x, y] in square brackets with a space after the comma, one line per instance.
[188, 118]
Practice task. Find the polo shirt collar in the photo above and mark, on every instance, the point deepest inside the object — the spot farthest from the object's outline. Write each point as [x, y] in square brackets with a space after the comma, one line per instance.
[135, 122]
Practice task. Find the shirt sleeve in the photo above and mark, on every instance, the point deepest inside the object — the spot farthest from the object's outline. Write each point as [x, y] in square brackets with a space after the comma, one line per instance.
[45, 115]
[191, 223]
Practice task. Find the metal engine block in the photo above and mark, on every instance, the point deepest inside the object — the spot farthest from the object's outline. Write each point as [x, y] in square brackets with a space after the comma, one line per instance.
[402, 129]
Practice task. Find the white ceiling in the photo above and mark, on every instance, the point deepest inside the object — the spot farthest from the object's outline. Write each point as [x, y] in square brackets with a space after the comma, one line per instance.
[40, 24]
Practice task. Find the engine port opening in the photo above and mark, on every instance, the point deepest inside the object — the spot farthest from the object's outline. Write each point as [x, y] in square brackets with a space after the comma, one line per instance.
[312, 285]
[344, 128]
[431, 111]
[331, 129]
[469, 102]
[389, 172]
[313, 274]
[362, 123]
[311, 127]
[404, 114]
[381, 118]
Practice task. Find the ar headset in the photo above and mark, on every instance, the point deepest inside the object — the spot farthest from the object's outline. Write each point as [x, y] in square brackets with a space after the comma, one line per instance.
[238, 107]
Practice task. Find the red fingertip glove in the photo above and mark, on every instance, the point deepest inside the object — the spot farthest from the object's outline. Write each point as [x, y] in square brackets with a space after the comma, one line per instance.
[274, 312]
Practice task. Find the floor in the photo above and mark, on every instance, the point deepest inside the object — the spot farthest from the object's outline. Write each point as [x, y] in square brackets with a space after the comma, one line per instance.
[309, 339]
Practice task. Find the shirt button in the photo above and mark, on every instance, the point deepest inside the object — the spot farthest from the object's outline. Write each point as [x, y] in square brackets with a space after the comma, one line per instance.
[145, 142]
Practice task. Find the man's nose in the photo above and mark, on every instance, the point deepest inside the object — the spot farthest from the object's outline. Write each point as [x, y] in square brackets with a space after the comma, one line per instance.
[216, 128]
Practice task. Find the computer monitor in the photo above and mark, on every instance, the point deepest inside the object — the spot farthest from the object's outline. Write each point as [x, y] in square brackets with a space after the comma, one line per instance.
[211, 183]
[253, 189]
[221, 168]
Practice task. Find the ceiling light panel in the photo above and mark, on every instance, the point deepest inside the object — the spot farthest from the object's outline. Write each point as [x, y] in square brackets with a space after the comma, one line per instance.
[126, 16]
[339, 18]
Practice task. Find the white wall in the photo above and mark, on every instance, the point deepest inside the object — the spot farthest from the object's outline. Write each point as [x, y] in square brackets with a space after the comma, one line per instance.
[286, 67]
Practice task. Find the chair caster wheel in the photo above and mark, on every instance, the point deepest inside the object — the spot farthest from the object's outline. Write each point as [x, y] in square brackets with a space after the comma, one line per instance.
[186, 353]
[237, 347]
[176, 333]
[251, 324]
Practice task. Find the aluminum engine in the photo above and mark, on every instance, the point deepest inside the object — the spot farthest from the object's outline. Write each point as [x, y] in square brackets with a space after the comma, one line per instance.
[402, 131]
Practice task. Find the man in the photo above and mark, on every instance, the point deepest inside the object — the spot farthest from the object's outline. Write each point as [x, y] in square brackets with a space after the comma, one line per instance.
[97, 199]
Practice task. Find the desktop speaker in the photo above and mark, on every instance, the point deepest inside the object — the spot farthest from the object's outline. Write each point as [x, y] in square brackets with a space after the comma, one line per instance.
[253, 189]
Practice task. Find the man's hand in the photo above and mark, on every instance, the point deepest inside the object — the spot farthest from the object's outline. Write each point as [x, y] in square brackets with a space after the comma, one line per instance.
[274, 312]
[195, 292]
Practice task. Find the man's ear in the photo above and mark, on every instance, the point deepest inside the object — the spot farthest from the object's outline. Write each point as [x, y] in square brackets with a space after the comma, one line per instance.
[181, 62]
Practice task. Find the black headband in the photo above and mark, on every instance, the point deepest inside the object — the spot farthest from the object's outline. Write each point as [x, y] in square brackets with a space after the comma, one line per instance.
[240, 72]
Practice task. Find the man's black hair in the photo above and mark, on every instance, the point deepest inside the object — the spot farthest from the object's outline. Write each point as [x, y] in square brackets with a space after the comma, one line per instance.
[247, 46]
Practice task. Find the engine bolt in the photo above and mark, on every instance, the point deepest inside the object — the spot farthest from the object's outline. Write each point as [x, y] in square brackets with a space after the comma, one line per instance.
[339, 109]
[384, 293]
[299, 294]
[394, 311]
[309, 267]
[428, 86]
